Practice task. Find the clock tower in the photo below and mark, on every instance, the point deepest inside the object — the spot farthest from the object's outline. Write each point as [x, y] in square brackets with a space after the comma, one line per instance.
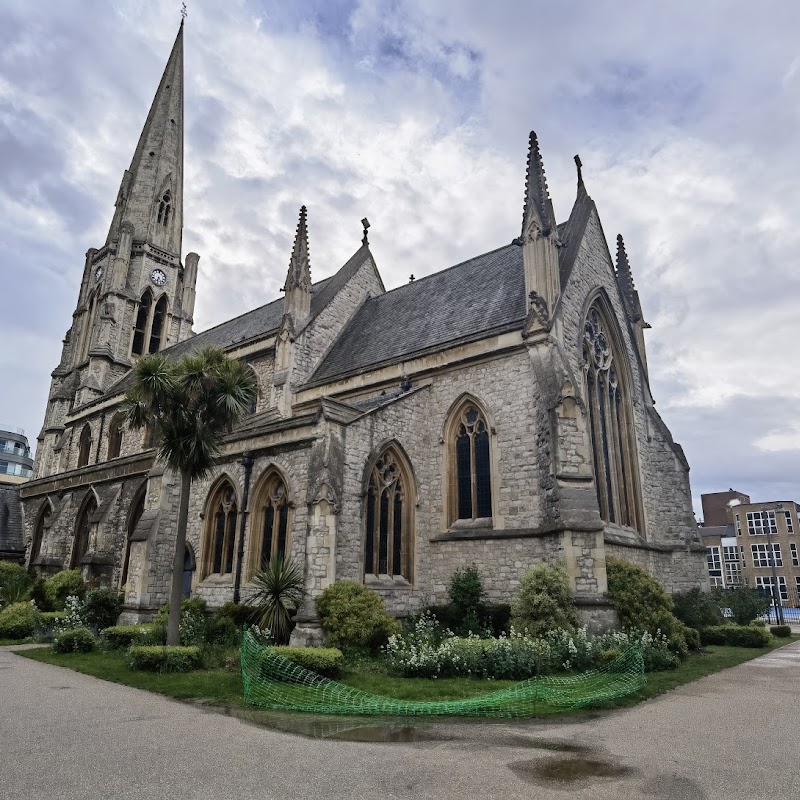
[136, 296]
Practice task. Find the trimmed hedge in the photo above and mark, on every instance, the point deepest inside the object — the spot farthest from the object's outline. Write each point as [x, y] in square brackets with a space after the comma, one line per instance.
[74, 640]
[121, 637]
[164, 659]
[353, 616]
[324, 660]
[19, 620]
[781, 631]
[736, 635]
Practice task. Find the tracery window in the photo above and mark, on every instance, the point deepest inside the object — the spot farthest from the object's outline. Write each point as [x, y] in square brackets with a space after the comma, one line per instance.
[387, 549]
[220, 531]
[271, 532]
[85, 446]
[115, 432]
[81, 543]
[470, 465]
[164, 209]
[157, 325]
[608, 403]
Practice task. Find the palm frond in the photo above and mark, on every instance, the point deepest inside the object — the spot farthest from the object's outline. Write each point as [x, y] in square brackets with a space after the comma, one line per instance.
[279, 593]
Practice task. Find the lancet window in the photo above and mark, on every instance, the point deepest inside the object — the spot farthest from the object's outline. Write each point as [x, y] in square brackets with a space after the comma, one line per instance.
[608, 401]
[389, 512]
[133, 521]
[150, 322]
[220, 531]
[85, 446]
[271, 536]
[81, 543]
[157, 326]
[164, 209]
[115, 433]
[38, 531]
[142, 319]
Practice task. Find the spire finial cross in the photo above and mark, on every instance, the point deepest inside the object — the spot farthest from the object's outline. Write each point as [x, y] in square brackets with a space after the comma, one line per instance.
[365, 223]
[184, 12]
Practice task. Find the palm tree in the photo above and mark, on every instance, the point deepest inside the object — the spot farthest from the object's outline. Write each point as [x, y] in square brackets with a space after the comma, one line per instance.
[189, 405]
[279, 593]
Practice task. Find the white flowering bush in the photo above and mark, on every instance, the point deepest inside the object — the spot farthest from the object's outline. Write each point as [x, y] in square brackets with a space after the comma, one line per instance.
[72, 616]
[427, 650]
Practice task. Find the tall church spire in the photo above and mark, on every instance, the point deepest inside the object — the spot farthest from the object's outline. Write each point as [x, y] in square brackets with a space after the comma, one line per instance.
[151, 193]
[297, 301]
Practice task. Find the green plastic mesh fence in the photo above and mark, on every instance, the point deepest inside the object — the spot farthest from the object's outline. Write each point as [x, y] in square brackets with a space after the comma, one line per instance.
[271, 681]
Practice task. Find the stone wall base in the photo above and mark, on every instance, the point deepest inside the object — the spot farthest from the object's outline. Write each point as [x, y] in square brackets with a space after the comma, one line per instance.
[678, 569]
[307, 634]
[136, 615]
[597, 613]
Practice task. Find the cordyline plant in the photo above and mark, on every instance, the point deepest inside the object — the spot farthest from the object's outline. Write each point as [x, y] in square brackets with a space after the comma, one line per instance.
[189, 405]
[279, 593]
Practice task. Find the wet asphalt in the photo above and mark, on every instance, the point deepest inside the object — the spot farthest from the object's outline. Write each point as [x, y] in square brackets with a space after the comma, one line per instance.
[66, 735]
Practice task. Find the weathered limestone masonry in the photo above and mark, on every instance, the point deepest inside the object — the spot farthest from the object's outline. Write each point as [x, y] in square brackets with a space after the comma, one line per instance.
[497, 413]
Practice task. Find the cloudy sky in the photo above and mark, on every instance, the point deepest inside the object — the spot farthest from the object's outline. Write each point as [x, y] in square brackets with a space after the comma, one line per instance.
[416, 113]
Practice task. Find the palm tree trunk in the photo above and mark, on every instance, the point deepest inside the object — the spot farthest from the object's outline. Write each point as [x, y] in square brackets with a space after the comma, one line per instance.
[176, 593]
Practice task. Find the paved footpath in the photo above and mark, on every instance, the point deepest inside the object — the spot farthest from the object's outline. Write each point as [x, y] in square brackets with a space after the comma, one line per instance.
[732, 735]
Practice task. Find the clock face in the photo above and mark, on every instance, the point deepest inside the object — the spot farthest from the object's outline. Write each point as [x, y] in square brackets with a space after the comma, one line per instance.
[98, 273]
[158, 277]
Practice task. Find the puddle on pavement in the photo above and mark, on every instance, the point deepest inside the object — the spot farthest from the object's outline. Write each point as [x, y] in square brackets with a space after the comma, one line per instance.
[568, 770]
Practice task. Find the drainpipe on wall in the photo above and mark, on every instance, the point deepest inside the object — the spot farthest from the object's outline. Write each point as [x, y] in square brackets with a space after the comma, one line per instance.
[247, 463]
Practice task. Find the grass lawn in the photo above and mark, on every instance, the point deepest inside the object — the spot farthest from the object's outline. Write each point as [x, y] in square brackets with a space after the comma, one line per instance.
[222, 687]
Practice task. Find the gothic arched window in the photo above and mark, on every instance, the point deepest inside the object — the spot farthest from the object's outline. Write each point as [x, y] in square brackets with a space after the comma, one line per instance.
[470, 464]
[133, 521]
[610, 421]
[157, 325]
[81, 543]
[115, 431]
[89, 322]
[164, 208]
[220, 535]
[387, 547]
[38, 531]
[142, 320]
[270, 537]
[85, 446]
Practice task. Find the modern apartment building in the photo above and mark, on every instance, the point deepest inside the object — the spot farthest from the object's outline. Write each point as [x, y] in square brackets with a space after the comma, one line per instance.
[16, 464]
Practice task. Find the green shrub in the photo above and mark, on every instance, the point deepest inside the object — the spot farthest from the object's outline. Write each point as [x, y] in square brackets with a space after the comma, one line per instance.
[102, 608]
[696, 608]
[38, 593]
[74, 640]
[493, 618]
[19, 620]
[15, 582]
[606, 657]
[544, 601]
[223, 631]
[238, 613]
[496, 618]
[323, 660]
[736, 635]
[758, 623]
[466, 599]
[642, 604]
[744, 603]
[121, 637]
[50, 617]
[781, 631]
[63, 585]
[193, 623]
[354, 616]
[692, 637]
[163, 659]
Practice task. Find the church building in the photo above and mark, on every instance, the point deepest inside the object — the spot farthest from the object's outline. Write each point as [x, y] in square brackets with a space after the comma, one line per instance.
[495, 413]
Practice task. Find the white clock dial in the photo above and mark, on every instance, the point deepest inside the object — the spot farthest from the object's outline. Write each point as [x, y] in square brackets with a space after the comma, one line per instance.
[158, 277]
[98, 273]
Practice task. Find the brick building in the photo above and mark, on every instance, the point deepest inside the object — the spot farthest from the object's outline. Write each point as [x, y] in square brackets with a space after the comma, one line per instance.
[497, 412]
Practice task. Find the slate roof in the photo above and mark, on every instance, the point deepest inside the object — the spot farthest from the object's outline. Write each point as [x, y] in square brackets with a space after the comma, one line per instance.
[467, 301]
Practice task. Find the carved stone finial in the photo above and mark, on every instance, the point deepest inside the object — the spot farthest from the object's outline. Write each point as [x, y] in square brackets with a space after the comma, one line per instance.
[578, 165]
[365, 225]
[299, 274]
[411, 278]
[539, 307]
[184, 12]
[538, 208]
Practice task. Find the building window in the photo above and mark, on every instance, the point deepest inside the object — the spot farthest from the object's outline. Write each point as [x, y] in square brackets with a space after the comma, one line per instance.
[765, 585]
[759, 522]
[714, 562]
[793, 549]
[733, 572]
[85, 446]
[115, 436]
[789, 522]
[142, 318]
[738, 525]
[716, 582]
[470, 465]
[157, 326]
[164, 209]
[38, 532]
[271, 533]
[387, 549]
[133, 521]
[608, 402]
[761, 555]
[220, 531]
[81, 542]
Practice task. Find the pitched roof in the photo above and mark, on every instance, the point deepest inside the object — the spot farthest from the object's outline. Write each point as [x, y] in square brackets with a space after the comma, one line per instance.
[467, 301]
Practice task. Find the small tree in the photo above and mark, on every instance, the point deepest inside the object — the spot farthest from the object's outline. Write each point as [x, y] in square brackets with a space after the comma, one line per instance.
[279, 593]
[466, 598]
[696, 608]
[189, 405]
[544, 601]
[745, 604]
